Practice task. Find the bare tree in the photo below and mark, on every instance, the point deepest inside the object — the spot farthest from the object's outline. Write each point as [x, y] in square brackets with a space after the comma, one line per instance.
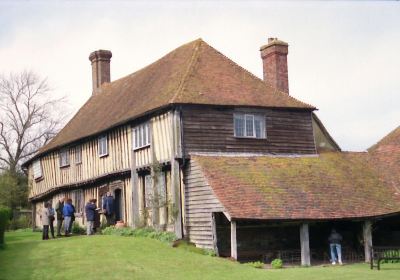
[29, 117]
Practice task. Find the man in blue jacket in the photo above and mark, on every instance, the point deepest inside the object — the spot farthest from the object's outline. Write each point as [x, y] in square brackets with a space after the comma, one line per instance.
[108, 208]
[90, 209]
[68, 212]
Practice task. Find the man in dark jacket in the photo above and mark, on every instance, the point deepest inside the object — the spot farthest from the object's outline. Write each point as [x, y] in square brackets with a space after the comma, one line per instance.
[59, 212]
[335, 240]
[90, 209]
[108, 209]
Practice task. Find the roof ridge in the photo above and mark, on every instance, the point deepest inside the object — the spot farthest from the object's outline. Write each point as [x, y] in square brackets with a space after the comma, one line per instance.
[188, 70]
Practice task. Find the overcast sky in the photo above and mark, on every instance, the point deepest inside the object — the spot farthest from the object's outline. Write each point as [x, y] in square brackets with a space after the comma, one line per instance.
[344, 57]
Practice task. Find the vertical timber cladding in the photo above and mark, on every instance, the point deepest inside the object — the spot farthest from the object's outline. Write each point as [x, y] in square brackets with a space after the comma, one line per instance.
[209, 129]
[200, 203]
[91, 166]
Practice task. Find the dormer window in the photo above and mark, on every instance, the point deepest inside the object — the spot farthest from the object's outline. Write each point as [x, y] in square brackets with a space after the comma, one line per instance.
[64, 158]
[37, 170]
[103, 147]
[141, 136]
[249, 125]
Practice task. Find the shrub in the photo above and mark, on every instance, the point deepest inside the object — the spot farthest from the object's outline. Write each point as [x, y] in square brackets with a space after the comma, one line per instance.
[163, 236]
[256, 264]
[21, 222]
[5, 215]
[77, 229]
[277, 263]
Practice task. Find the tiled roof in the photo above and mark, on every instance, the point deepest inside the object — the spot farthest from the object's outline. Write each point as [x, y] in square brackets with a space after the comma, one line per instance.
[194, 73]
[328, 186]
[385, 156]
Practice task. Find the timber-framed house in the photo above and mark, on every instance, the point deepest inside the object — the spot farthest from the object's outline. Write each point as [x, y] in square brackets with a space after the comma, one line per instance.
[197, 145]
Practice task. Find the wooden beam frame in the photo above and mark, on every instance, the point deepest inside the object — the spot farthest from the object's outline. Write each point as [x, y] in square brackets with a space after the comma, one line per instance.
[305, 245]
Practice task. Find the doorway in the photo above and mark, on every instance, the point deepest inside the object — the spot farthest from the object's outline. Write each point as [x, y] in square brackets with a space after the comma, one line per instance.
[118, 204]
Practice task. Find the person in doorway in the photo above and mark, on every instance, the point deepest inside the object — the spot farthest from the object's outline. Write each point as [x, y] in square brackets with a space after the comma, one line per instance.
[52, 214]
[60, 217]
[90, 209]
[108, 209]
[68, 211]
[335, 240]
[45, 221]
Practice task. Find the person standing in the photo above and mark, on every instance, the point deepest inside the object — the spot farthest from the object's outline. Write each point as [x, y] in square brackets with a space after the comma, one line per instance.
[72, 218]
[335, 240]
[90, 209]
[96, 223]
[45, 221]
[68, 211]
[108, 209]
[51, 219]
[60, 218]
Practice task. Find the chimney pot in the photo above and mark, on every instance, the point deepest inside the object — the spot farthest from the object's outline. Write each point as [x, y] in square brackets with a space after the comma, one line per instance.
[100, 61]
[274, 58]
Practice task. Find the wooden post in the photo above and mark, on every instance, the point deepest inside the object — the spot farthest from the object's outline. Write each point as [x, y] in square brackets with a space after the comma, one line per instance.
[175, 174]
[233, 240]
[214, 232]
[305, 245]
[367, 234]
[135, 192]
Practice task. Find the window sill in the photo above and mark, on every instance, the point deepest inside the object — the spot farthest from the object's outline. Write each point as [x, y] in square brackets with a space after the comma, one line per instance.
[64, 166]
[247, 137]
[103, 155]
[141, 148]
[39, 179]
[78, 163]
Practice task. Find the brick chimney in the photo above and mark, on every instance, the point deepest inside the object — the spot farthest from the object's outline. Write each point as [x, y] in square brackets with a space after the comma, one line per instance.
[100, 68]
[274, 57]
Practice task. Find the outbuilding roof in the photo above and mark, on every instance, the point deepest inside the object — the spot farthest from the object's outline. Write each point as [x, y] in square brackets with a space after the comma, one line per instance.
[194, 73]
[328, 186]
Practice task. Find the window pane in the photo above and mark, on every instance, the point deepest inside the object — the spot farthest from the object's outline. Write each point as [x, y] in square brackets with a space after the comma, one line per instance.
[144, 135]
[148, 134]
[239, 124]
[259, 126]
[37, 169]
[136, 138]
[249, 125]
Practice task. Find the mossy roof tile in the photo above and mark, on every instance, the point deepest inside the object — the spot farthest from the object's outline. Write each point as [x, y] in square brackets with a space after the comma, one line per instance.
[328, 186]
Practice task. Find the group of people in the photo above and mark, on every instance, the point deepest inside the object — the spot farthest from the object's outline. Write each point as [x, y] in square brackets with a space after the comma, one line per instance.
[65, 214]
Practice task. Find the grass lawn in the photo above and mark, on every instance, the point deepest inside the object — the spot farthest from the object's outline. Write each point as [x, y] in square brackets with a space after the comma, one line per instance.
[112, 257]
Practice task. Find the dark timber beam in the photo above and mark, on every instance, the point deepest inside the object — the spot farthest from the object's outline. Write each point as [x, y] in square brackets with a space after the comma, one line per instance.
[305, 245]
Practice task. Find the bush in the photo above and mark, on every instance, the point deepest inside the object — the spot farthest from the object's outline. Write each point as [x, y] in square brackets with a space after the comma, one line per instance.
[256, 264]
[5, 215]
[163, 236]
[277, 263]
[77, 229]
[21, 222]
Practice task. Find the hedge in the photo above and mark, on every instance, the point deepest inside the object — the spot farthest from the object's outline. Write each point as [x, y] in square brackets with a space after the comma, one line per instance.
[5, 215]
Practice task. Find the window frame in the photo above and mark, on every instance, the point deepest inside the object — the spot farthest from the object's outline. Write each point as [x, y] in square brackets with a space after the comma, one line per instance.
[66, 162]
[100, 141]
[35, 163]
[141, 136]
[255, 117]
[78, 150]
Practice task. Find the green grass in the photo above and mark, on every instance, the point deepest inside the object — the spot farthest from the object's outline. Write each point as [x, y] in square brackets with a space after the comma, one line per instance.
[115, 257]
